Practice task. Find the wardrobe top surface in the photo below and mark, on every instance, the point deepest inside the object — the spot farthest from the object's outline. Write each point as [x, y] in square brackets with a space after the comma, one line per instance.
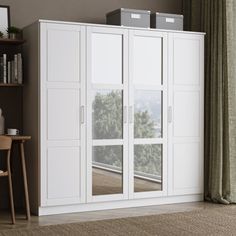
[116, 26]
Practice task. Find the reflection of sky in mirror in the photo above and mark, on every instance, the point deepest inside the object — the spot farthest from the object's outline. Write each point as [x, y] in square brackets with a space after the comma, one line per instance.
[150, 101]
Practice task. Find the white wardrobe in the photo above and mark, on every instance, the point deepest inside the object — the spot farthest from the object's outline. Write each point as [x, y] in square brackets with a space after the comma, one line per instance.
[116, 116]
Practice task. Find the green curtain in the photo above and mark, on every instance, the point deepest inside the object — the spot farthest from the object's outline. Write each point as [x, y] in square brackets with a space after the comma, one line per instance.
[218, 19]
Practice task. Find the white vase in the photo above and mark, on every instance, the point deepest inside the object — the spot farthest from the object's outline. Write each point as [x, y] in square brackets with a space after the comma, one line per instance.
[2, 123]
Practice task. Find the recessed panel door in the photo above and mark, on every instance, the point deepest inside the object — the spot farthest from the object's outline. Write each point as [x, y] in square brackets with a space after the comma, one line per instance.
[62, 114]
[186, 106]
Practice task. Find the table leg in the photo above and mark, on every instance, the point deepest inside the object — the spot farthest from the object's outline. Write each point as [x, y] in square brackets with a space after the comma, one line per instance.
[10, 188]
[25, 180]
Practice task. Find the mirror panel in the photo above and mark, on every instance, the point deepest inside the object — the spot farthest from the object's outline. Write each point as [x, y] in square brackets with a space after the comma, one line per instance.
[107, 168]
[107, 114]
[147, 114]
[147, 167]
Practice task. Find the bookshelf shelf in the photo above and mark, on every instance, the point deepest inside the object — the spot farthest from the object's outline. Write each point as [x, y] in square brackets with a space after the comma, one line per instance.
[4, 41]
[11, 85]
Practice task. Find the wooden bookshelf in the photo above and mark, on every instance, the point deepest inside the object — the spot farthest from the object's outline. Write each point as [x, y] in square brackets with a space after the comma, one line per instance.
[11, 95]
[11, 85]
[5, 41]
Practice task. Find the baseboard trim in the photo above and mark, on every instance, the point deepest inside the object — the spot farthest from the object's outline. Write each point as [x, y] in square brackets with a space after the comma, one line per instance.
[84, 207]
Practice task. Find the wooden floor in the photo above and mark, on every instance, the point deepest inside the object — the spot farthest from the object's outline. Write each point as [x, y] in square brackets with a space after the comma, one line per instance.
[107, 182]
[21, 223]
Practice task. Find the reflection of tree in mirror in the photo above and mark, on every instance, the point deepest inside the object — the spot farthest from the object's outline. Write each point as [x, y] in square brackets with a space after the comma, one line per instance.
[147, 159]
[109, 155]
[143, 125]
[107, 124]
[147, 114]
[107, 115]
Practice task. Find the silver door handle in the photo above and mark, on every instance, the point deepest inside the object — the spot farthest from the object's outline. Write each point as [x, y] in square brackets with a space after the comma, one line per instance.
[82, 119]
[125, 114]
[170, 114]
[131, 115]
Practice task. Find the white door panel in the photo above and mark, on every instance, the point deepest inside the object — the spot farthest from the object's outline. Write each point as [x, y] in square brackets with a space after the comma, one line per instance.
[61, 182]
[107, 58]
[186, 115]
[186, 101]
[187, 61]
[63, 55]
[63, 114]
[187, 168]
[62, 97]
[147, 56]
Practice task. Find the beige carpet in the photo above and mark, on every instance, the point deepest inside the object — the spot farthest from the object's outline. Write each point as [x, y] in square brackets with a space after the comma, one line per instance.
[220, 221]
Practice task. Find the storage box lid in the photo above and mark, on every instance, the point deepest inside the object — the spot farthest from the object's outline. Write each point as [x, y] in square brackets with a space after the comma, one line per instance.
[168, 15]
[129, 11]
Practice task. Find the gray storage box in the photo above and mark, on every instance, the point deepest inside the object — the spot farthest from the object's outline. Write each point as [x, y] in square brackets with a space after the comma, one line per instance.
[129, 17]
[167, 21]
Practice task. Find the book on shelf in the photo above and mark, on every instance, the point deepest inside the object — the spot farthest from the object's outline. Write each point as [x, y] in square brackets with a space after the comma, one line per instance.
[11, 70]
[1, 69]
[19, 68]
[15, 76]
[8, 72]
[4, 68]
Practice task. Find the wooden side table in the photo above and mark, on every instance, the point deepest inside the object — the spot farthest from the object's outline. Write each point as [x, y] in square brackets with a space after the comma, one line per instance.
[20, 140]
